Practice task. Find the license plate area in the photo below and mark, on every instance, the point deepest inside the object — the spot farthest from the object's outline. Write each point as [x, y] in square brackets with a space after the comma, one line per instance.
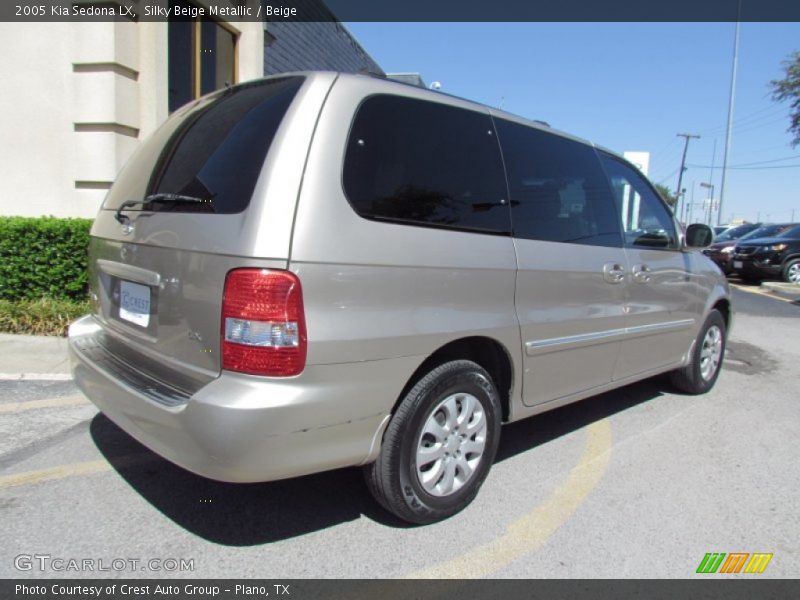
[135, 303]
[737, 264]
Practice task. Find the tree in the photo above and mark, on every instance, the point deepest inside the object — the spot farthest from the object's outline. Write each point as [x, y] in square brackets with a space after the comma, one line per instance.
[667, 195]
[789, 89]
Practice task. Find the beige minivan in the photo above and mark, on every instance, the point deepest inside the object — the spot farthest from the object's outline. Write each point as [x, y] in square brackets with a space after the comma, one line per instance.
[322, 270]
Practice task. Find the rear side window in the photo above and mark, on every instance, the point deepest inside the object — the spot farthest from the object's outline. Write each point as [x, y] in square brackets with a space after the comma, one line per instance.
[215, 153]
[423, 163]
[559, 192]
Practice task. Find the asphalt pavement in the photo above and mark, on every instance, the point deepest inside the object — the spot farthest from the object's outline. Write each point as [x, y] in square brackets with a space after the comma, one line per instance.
[639, 482]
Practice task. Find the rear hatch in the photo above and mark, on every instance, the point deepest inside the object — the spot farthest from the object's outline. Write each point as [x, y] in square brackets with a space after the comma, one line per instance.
[194, 202]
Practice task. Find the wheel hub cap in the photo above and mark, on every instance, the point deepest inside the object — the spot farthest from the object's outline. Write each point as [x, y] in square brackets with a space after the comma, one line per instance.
[711, 353]
[451, 444]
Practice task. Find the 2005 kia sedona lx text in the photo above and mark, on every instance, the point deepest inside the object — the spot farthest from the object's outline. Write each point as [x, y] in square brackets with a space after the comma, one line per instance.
[322, 270]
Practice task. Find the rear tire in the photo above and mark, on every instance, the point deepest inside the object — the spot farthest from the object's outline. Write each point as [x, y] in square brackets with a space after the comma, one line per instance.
[439, 445]
[703, 369]
[791, 271]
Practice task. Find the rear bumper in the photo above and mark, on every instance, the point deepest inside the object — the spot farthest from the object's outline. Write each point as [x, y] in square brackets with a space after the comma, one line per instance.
[240, 428]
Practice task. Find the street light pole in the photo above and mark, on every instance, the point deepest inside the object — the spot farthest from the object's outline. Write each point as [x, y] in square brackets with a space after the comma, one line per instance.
[709, 186]
[730, 113]
[687, 136]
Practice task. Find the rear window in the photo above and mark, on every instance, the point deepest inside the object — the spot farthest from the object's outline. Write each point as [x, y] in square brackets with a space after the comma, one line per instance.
[212, 150]
[423, 163]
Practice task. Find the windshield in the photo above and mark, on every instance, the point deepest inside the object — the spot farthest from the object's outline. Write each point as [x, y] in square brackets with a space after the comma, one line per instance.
[735, 233]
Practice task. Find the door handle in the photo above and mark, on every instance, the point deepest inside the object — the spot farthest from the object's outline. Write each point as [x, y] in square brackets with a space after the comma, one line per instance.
[641, 273]
[613, 273]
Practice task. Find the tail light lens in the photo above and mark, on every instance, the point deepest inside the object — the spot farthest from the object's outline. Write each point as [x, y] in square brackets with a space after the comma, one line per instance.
[263, 323]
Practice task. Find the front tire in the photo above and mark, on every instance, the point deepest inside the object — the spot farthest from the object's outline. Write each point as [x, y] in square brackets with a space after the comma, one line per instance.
[791, 271]
[703, 369]
[439, 445]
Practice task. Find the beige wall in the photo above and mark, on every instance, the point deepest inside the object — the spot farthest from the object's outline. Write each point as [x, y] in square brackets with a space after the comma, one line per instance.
[77, 100]
[36, 158]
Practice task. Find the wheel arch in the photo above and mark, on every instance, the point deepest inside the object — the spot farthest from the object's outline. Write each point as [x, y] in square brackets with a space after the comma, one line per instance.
[723, 305]
[787, 260]
[485, 351]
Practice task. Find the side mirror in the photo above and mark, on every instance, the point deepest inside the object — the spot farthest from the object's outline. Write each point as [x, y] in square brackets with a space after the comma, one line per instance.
[698, 235]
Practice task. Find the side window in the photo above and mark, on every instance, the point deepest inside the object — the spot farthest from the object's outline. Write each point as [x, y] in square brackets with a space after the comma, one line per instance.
[646, 221]
[423, 163]
[558, 190]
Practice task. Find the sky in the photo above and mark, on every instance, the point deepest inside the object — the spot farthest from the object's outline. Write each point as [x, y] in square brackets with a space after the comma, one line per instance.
[628, 87]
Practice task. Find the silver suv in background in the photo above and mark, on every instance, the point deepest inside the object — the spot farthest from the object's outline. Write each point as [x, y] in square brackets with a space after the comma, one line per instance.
[322, 270]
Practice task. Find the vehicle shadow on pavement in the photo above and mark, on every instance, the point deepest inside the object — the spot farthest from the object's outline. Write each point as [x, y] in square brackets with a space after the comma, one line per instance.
[524, 435]
[260, 513]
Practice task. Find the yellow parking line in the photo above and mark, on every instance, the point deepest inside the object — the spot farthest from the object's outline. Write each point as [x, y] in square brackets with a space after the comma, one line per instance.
[750, 290]
[71, 470]
[13, 407]
[533, 529]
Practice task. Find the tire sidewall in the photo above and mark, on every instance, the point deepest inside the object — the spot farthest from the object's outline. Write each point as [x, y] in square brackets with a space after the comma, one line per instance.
[714, 318]
[472, 381]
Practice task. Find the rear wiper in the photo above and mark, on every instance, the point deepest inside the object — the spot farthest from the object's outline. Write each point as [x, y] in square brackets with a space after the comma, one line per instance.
[167, 197]
[160, 197]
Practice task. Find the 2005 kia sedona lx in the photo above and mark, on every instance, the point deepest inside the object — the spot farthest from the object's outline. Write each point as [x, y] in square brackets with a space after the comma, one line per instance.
[322, 270]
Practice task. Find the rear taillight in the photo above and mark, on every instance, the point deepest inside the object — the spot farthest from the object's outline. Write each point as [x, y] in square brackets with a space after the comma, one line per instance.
[263, 323]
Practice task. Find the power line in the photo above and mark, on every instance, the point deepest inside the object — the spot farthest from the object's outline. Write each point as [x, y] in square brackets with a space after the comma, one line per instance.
[772, 167]
[754, 126]
[750, 168]
[661, 181]
[750, 164]
[764, 162]
[746, 121]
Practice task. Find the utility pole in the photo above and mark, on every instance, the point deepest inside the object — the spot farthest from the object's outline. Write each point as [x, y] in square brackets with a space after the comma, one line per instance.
[687, 137]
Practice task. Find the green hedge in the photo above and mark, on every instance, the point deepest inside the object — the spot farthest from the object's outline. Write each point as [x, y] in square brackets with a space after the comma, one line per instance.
[43, 257]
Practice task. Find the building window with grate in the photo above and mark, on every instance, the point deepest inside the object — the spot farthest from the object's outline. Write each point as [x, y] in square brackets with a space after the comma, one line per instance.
[202, 57]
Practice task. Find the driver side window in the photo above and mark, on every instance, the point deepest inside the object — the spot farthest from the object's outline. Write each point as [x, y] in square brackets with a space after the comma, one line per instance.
[646, 221]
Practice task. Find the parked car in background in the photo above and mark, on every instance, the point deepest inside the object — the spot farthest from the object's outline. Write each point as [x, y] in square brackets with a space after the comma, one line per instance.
[719, 229]
[766, 257]
[721, 250]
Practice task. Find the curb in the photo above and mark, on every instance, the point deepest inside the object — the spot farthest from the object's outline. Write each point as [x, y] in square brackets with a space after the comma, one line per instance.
[788, 290]
[35, 377]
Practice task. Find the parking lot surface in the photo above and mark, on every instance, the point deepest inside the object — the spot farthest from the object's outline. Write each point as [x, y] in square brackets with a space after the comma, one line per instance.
[639, 482]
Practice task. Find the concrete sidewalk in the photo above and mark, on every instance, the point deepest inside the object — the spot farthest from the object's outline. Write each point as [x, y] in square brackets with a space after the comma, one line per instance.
[33, 357]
